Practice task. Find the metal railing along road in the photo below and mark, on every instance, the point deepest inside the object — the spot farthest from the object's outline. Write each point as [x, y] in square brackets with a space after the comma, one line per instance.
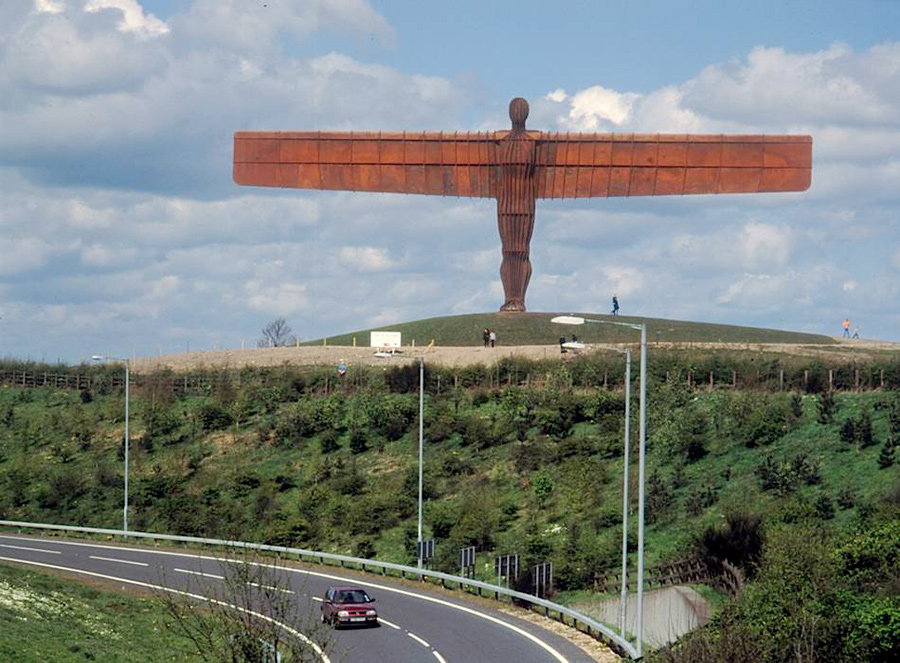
[575, 619]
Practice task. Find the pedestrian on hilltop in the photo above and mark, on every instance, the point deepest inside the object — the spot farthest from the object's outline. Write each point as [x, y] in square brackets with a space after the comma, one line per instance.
[486, 336]
[846, 327]
[493, 338]
[615, 308]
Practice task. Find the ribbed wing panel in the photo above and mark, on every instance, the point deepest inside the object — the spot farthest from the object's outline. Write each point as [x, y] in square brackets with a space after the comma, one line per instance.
[607, 165]
[444, 164]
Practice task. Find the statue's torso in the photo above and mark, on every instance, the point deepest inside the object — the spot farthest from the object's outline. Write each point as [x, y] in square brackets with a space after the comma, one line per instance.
[515, 161]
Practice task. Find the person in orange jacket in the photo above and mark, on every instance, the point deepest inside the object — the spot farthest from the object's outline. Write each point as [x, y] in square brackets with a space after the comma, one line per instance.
[846, 328]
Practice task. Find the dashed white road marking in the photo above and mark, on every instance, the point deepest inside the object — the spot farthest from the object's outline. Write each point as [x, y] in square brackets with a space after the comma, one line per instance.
[387, 623]
[438, 656]
[272, 587]
[316, 598]
[418, 639]
[121, 561]
[200, 573]
[52, 552]
[316, 648]
[494, 620]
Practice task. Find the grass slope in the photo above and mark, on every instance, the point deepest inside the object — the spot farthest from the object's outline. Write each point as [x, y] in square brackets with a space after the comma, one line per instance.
[536, 329]
[43, 619]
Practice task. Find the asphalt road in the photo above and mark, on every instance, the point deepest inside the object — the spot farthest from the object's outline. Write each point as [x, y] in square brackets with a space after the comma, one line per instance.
[417, 625]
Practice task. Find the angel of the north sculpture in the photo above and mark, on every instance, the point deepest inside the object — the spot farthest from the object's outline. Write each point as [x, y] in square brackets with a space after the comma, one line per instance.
[519, 166]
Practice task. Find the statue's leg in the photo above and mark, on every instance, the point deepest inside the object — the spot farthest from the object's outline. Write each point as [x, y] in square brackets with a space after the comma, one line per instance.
[515, 270]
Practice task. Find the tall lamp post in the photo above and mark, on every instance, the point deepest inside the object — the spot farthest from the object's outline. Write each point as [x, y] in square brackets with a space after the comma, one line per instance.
[127, 438]
[419, 550]
[642, 435]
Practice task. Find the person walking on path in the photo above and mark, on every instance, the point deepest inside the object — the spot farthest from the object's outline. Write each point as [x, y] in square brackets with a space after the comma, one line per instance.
[846, 327]
[493, 338]
[486, 336]
[856, 332]
[615, 308]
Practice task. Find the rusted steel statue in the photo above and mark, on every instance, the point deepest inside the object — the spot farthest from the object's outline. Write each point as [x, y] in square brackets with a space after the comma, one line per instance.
[516, 167]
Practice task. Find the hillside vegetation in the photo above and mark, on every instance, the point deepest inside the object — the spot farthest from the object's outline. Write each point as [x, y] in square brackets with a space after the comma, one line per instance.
[800, 489]
[536, 329]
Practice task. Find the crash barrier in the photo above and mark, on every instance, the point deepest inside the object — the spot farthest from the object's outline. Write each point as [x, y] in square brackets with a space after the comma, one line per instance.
[558, 612]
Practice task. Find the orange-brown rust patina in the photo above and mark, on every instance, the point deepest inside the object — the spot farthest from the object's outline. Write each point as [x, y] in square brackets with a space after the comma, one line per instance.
[519, 166]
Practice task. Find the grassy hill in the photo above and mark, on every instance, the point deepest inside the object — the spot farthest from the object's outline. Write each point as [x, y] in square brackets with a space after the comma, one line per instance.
[269, 455]
[536, 329]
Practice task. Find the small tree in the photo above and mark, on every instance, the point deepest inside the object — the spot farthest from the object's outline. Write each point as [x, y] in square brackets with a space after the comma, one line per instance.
[277, 334]
[826, 407]
[248, 617]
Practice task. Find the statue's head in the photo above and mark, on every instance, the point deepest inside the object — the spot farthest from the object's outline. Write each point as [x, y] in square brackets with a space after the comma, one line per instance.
[518, 112]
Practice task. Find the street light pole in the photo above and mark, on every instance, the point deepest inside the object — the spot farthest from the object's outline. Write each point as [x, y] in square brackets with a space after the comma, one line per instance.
[127, 436]
[421, 451]
[624, 599]
[642, 435]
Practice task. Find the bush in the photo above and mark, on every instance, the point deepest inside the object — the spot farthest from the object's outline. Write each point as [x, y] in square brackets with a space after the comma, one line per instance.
[328, 441]
[740, 541]
[826, 407]
[213, 417]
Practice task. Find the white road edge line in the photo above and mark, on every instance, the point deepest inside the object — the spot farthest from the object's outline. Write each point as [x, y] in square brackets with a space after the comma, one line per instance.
[418, 639]
[316, 648]
[438, 656]
[121, 561]
[200, 573]
[52, 552]
[387, 623]
[525, 634]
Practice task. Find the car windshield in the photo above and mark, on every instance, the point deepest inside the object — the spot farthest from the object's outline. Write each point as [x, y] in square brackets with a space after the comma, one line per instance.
[352, 596]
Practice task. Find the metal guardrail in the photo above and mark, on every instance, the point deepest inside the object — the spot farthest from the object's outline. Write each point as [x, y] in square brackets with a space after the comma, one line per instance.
[579, 621]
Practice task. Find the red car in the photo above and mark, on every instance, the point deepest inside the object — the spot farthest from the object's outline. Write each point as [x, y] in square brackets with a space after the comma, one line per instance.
[348, 606]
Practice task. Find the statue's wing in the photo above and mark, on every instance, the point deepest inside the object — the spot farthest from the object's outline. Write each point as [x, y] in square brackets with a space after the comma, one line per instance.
[444, 164]
[590, 165]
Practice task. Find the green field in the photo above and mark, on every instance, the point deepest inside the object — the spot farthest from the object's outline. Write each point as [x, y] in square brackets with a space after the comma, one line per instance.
[45, 619]
[536, 329]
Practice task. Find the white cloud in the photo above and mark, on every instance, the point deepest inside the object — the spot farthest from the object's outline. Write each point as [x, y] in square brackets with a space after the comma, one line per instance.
[49, 6]
[281, 299]
[763, 243]
[596, 108]
[133, 18]
[366, 259]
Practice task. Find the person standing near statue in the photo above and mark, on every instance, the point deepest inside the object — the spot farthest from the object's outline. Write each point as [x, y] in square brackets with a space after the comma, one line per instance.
[486, 336]
[493, 338]
[846, 327]
[615, 308]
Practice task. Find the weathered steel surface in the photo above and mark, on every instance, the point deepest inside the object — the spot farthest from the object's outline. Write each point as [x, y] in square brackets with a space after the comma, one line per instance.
[519, 166]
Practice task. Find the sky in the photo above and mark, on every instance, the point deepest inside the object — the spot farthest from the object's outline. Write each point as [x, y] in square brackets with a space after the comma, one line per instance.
[124, 234]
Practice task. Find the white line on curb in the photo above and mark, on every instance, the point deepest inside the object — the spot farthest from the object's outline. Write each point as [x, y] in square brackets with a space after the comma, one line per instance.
[438, 656]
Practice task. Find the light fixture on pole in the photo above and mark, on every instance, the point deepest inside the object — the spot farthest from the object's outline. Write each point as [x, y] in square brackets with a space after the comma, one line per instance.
[642, 438]
[127, 440]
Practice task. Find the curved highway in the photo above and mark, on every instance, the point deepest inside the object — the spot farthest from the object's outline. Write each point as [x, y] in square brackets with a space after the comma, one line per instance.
[417, 625]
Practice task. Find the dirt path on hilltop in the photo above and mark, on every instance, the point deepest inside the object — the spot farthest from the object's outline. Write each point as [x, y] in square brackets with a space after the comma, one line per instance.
[464, 356]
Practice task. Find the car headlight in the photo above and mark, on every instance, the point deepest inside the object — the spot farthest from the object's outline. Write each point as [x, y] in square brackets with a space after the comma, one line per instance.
[370, 613]
[343, 613]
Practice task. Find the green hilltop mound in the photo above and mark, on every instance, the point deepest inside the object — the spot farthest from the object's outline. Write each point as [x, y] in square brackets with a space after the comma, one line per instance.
[536, 329]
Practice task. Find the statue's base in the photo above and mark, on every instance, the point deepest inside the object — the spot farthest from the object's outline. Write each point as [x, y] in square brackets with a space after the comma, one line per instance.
[513, 307]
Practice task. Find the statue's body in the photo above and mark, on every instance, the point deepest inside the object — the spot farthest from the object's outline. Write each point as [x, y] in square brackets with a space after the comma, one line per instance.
[516, 167]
